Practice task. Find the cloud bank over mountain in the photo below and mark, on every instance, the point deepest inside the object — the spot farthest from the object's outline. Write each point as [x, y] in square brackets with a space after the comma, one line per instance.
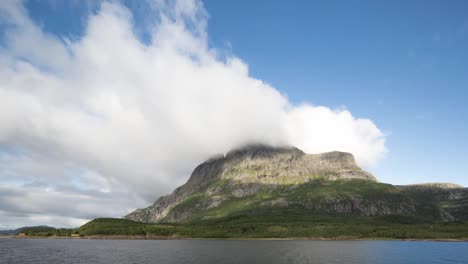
[109, 121]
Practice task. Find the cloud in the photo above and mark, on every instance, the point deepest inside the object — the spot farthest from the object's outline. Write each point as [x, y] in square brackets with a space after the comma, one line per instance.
[61, 206]
[320, 129]
[122, 121]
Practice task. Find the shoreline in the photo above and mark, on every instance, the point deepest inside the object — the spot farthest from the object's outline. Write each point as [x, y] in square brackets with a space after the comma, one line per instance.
[125, 237]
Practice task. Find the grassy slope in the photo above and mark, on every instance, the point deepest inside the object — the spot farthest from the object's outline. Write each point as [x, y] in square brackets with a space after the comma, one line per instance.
[312, 193]
[284, 224]
[247, 217]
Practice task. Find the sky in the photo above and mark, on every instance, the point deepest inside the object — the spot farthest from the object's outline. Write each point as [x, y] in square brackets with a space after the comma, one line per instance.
[106, 105]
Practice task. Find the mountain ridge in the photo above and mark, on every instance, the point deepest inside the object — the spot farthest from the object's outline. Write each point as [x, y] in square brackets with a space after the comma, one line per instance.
[20, 229]
[259, 178]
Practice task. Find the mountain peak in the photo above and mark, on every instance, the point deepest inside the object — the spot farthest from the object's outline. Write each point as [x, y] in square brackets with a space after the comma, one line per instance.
[259, 150]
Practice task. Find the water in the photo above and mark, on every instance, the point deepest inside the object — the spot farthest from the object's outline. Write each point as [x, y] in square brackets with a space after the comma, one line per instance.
[231, 251]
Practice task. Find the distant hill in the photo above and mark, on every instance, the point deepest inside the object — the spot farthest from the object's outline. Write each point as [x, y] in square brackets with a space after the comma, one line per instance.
[10, 232]
[21, 229]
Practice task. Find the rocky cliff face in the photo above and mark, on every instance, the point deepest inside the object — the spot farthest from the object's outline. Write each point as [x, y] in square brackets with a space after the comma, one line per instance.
[253, 179]
[245, 170]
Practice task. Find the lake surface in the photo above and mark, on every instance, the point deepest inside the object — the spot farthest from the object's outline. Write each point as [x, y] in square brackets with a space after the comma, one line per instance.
[228, 251]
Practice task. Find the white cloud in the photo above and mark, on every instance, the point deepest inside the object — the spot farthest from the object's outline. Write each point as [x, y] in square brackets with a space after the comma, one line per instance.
[139, 117]
[320, 129]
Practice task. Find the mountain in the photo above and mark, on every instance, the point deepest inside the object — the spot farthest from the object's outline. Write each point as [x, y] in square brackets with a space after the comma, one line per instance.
[10, 232]
[21, 229]
[284, 182]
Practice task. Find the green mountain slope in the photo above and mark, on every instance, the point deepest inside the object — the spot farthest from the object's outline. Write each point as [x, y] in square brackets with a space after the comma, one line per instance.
[283, 223]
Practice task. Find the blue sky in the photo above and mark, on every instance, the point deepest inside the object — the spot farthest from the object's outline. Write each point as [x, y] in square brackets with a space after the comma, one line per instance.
[401, 64]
